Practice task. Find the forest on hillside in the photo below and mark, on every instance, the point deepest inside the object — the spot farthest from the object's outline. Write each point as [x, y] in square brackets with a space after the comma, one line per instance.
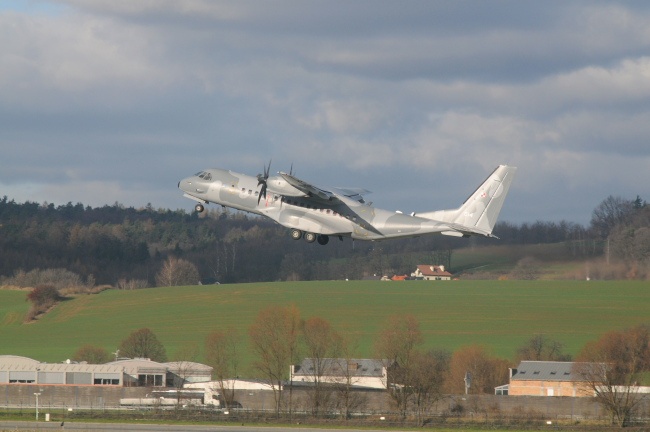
[114, 244]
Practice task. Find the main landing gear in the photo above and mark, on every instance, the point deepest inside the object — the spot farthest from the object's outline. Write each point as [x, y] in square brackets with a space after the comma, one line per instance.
[199, 208]
[309, 237]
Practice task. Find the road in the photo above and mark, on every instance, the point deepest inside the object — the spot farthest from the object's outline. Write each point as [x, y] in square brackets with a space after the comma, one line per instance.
[102, 427]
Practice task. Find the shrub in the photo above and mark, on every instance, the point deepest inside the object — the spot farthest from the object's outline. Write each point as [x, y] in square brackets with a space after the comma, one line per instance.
[92, 354]
[42, 298]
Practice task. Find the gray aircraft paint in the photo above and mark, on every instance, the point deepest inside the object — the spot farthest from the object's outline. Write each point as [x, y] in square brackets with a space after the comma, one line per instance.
[298, 205]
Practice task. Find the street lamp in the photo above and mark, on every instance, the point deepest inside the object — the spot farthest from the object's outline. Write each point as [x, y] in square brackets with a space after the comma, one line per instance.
[37, 395]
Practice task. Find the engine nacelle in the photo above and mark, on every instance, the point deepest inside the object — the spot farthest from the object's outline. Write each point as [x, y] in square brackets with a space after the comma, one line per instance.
[280, 186]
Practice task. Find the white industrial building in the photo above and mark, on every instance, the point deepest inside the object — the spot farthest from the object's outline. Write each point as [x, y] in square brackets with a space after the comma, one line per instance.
[127, 372]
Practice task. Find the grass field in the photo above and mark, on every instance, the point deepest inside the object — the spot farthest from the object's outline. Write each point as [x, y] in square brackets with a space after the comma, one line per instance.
[501, 315]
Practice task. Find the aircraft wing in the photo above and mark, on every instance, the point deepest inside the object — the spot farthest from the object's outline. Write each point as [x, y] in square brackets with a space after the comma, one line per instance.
[325, 195]
[354, 193]
[307, 188]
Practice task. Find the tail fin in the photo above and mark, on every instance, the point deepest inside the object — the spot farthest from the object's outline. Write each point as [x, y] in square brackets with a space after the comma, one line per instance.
[479, 212]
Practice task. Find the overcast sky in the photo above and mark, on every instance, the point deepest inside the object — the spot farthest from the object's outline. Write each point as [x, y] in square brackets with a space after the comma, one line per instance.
[116, 100]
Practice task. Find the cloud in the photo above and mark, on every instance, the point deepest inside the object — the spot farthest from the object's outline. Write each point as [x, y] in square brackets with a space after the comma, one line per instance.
[116, 100]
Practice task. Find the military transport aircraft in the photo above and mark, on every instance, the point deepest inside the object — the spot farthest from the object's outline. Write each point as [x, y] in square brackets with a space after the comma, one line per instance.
[315, 214]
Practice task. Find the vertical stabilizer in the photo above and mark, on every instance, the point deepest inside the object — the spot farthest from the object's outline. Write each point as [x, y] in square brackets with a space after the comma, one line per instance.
[480, 211]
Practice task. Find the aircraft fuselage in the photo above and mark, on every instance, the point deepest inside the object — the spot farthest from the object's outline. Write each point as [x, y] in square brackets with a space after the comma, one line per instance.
[347, 218]
[317, 214]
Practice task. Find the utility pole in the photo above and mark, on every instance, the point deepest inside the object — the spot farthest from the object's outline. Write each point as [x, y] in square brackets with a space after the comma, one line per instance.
[37, 395]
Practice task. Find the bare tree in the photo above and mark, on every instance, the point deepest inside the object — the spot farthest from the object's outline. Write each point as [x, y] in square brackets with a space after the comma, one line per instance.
[175, 272]
[427, 379]
[612, 367]
[610, 212]
[631, 243]
[91, 354]
[222, 353]
[42, 297]
[541, 348]
[322, 343]
[396, 345]
[274, 337]
[143, 343]
[348, 400]
[184, 361]
[487, 371]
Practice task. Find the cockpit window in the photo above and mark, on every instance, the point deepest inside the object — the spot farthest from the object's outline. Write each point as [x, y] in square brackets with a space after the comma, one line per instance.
[204, 175]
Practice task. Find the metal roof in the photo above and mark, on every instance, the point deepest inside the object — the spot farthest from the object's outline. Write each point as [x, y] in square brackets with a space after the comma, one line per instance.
[545, 371]
[18, 363]
[341, 366]
[130, 366]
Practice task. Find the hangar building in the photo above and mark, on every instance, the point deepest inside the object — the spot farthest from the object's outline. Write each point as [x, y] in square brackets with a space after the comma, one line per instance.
[127, 372]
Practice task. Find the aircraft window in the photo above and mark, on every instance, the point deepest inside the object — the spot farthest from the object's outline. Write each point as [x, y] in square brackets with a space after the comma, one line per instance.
[243, 189]
[250, 191]
[256, 193]
[328, 212]
[204, 175]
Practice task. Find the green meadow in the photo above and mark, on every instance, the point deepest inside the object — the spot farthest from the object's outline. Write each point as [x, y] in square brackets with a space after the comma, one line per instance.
[500, 315]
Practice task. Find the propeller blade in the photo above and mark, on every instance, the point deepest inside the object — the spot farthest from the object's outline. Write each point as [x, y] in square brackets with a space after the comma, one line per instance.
[261, 180]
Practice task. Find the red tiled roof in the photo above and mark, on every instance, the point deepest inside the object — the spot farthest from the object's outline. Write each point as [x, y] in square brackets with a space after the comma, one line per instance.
[428, 270]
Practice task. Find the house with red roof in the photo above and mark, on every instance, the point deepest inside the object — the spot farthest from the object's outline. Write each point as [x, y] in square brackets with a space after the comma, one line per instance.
[431, 272]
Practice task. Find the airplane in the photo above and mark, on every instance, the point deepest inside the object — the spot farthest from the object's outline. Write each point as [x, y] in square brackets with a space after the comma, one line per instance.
[316, 214]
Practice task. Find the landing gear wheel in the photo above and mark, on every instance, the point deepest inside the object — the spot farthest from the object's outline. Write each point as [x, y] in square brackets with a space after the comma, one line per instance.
[296, 234]
[323, 239]
[310, 237]
[199, 208]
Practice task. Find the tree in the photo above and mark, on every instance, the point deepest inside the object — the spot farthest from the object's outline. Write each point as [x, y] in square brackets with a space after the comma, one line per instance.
[222, 353]
[427, 379]
[629, 242]
[396, 345]
[183, 364]
[274, 337]
[91, 354]
[175, 272]
[347, 399]
[143, 343]
[612, 367]
[42, 298]
[322, 344]
[612, 211]
[487, 372]
[541, 348]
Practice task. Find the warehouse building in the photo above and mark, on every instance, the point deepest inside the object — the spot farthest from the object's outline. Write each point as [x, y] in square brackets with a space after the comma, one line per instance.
[126, 372]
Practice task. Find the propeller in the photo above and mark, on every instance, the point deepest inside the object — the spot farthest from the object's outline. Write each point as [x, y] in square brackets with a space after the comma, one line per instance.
[261, 180]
